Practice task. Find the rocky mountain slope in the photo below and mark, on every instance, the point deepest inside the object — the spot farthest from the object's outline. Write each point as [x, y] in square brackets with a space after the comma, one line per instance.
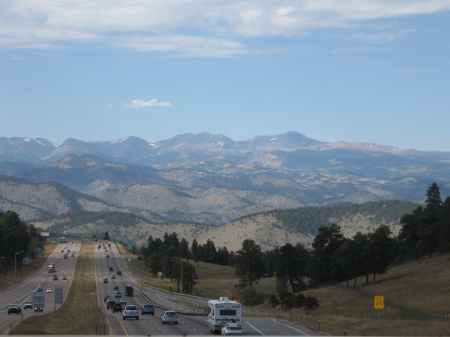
[212, 179]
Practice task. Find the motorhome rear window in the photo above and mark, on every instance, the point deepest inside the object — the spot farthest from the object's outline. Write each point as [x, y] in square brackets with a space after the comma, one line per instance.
[227, 312]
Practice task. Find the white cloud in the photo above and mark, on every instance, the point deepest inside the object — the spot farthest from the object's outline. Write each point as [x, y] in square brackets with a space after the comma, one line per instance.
[194, 27]
[138, 103]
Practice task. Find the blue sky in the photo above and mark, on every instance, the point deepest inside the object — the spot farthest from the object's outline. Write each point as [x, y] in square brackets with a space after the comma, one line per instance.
[360, 71]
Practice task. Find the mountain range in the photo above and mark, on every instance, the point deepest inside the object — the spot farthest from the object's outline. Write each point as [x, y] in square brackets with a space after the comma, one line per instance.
[210, 179]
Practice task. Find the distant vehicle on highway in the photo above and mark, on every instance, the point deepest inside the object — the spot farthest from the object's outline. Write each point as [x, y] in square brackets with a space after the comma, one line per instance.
[169, 316]
[123, 301]
[113, 276]
[107, 256]
[119, 272]
[117, 307]
[49, 290]
[130, 311]
[111, 269]
[64, 277]
[105, 279]
[39, 289]
[14, 309]
[110, 303]
[55, 278]
[118, 294]
[28, 305]
[106, 298]
[129, 290]
[148, 309]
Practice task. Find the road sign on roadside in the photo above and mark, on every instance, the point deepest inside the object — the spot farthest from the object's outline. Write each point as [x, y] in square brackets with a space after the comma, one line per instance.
[58, 294]
[378, 302]
[142, 285]
[38, 300]
[234, 297]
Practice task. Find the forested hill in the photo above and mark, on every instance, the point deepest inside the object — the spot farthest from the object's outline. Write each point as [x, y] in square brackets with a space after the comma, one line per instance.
[269, 229]
[364, 217]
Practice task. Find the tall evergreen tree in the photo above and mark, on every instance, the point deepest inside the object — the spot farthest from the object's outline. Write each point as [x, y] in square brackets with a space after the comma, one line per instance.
[293, 265]
[429, 222]
[409, 233]
[325, 245]
[382, 250]
[249, 264]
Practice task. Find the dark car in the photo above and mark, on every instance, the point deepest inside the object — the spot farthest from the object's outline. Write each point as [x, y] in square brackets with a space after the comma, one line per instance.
[14, 309]
[111, 269]
[55, 277]
[117, 307]
[107, 256]
[116, 287]
[110, 303]
[148, 309]
[39, 289]
[119, 272]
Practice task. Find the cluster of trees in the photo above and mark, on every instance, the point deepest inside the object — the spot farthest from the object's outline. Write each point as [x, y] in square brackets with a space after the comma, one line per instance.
[167, 256]
[426, 230]
[308, 220]
[16, 236]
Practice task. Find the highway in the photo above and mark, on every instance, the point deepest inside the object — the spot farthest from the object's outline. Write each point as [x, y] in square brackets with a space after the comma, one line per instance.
[24, 291]
[187, 324]
[147, 324]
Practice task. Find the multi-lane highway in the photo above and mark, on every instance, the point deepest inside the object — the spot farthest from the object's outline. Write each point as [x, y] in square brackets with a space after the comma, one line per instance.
[187, 324]
[147, 324]
[43, 279]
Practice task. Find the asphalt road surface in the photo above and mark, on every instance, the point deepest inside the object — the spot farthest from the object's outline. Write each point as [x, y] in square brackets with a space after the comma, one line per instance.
[24, 291]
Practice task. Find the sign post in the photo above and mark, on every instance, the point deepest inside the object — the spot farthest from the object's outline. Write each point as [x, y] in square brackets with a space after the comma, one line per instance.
[378, 303]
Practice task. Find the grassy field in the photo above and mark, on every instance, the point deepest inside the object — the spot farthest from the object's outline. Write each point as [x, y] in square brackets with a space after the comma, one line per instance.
[8, 280]
[80, 312]
[416, 297]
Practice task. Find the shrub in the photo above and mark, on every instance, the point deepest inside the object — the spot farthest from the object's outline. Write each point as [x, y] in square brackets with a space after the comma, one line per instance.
[249, 296]
[273, 300]
[311, 303]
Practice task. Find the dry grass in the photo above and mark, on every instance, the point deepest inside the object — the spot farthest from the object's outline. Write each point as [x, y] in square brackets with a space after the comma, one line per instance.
[8, 280]
[80, 312]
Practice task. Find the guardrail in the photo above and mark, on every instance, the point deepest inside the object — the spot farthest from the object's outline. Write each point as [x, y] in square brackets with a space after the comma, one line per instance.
[184, 311]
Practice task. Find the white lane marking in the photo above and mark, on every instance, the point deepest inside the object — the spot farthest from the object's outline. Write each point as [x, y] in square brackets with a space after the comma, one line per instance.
[290, 327]
[255, 328]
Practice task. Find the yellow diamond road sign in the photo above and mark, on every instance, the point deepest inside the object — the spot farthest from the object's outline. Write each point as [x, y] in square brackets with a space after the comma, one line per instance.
[378, 302]
[142, 285]
[234, 297]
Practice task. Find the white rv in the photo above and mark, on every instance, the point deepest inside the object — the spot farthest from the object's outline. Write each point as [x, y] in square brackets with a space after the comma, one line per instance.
[223, 311]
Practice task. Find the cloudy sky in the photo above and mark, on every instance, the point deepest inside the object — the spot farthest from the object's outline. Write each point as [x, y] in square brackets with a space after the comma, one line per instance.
[361, 71]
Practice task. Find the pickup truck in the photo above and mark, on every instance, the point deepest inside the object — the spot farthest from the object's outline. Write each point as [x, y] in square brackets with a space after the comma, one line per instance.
[130, 311]
[14, 309]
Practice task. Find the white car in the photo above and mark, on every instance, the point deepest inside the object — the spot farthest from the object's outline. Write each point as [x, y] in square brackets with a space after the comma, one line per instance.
[49, 290]
[130, 311]
[232, 329]
[169, 316]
